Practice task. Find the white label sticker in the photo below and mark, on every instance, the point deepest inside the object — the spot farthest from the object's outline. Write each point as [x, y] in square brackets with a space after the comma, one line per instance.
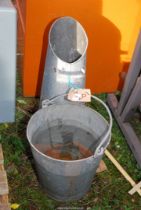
[82, 95]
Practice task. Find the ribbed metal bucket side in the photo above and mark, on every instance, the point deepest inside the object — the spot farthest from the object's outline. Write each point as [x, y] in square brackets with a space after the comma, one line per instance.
[70, 180]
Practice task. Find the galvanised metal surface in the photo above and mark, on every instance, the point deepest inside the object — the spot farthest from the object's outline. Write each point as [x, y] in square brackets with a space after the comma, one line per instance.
[66, 58]
[63, 179]
[8, 25]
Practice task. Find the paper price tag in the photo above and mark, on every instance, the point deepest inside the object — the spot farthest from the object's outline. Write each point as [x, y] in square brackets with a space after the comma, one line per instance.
[81, 95]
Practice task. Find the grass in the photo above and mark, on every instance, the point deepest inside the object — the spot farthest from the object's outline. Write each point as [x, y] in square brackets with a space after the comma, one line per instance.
[109, 190]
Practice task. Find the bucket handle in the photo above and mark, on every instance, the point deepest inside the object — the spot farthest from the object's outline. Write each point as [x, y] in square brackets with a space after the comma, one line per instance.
[100, 149]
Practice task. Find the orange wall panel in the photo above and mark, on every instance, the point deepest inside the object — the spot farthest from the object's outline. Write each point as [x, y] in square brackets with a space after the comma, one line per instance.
[109, 25]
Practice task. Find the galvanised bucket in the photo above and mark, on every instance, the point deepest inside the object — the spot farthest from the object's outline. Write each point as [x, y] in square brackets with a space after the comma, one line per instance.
[68, 179]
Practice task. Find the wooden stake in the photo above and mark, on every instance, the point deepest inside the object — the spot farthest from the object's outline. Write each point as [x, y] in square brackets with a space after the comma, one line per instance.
[3, 183]
[5, 207]
[122, 171]
[1, 155]
[4, 203]
[135, 188]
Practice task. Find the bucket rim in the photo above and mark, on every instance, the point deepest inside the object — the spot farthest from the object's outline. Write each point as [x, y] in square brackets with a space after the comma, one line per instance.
[71, 18]
[67, 161]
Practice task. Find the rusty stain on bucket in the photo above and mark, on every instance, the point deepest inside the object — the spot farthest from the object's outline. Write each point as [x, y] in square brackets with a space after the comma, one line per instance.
[72, 152]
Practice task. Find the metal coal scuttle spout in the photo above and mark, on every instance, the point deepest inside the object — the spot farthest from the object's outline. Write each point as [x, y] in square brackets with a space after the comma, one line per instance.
[65, 65]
